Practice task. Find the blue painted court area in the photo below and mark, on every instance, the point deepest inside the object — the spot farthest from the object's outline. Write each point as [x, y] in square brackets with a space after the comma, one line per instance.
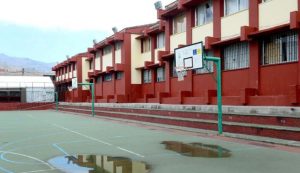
[49, 141]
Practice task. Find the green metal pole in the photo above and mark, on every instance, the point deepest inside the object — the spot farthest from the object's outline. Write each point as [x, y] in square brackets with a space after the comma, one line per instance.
[217, 61]
[219, 83]
[56, 101]
[93, 95]
[93, 99]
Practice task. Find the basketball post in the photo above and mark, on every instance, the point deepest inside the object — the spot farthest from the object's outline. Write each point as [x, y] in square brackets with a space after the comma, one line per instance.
[56, 100]
[93, 95]
[217, 61]
[192, 57]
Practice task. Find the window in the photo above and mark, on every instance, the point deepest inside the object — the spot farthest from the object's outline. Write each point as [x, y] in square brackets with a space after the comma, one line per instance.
[204, 13]
[107, 77]
[91, 64]
[119, 75]
[147, 76]
[99, 79]
[118, 45]
[236, 56]
[234, 6]
[106, 50]
[146, 45]
[160, 40]
[280, 48]
[179, 24]
[160, 74]
[74, 67]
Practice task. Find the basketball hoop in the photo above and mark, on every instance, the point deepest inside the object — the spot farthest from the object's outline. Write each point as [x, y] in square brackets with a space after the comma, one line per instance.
[181, 72]
[188, 58]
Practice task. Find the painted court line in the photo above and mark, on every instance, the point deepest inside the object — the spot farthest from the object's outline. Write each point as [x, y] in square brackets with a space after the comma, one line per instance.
[46, 170]
[123, 149]
[23, 155]
[60, 149]
[83, 135]
[97, 140]
[5, 170]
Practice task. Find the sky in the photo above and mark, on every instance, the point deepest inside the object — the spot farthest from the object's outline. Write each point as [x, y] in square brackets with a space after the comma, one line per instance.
[49, 30]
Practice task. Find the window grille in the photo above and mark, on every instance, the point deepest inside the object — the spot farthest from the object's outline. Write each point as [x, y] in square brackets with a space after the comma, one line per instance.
[204, 13]
[107, 77]
[161, 40]
[160, 74]
[234, 6]
[236, 56]
[119, 75]
[280, 48]
[106, 50]
[146, 46]
[147, 76]
[179, 24]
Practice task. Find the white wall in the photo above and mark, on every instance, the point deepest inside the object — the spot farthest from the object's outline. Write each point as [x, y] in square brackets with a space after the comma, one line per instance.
[107, 61]
[276, 12]
[118, 56]
[200, 32]
[136, 57]
[97, 61]
[176, 40]
[231, 25]
[85, 69]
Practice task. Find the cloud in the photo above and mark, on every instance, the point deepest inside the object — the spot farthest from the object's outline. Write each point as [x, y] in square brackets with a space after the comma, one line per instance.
[99, 15]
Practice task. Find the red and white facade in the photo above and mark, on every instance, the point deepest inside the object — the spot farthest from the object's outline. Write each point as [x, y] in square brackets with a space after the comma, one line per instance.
[257, 40]
[74, 67]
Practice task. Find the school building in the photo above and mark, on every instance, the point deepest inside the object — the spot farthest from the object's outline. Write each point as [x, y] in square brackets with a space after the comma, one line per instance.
[257, 41]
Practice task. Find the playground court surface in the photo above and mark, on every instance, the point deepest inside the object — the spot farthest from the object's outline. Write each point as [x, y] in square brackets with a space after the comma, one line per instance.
[49, 141]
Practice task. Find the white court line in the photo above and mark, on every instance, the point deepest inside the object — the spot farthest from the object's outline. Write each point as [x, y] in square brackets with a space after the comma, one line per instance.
[46, 170]
[30, 157]
[83, 135]
[97, 140]
[123, 149]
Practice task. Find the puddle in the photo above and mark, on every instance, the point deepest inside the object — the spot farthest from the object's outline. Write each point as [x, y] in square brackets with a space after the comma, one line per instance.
[197, 149]
[98, 164]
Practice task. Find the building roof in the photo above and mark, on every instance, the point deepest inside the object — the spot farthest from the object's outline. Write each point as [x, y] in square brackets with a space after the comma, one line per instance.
[25, 82]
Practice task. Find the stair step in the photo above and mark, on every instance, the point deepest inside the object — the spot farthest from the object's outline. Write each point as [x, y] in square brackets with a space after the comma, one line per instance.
[295, 129]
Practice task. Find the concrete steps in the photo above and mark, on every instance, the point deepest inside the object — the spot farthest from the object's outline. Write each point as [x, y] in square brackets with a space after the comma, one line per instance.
[272, 126]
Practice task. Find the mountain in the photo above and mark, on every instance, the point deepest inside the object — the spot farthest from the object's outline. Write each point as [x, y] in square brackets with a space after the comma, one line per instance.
[14, 64]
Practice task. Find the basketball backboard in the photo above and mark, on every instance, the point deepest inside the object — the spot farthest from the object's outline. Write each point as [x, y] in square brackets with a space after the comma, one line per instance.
[189, 57]
[74, 83]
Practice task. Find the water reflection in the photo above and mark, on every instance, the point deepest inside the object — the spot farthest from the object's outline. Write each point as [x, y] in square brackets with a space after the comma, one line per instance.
[197, 149]
[98, 164]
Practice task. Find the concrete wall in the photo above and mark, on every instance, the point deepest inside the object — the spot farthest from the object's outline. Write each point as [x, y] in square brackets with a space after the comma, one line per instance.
[107, 61]
[118, 56]
[97, 61]
[276, 12]
[200, 32]
[177, 39]
[136, 56]
[231, 25]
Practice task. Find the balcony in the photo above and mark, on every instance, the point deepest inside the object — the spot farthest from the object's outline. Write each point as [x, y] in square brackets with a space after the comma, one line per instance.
[200, 32]
[177, 39]
[279, 8]
[106, 61]
[156, 56]
[231, 24]
[118, 56]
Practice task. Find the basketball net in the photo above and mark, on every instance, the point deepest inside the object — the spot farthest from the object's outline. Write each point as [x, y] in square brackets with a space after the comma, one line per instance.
[181, 72]
[70, 88]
